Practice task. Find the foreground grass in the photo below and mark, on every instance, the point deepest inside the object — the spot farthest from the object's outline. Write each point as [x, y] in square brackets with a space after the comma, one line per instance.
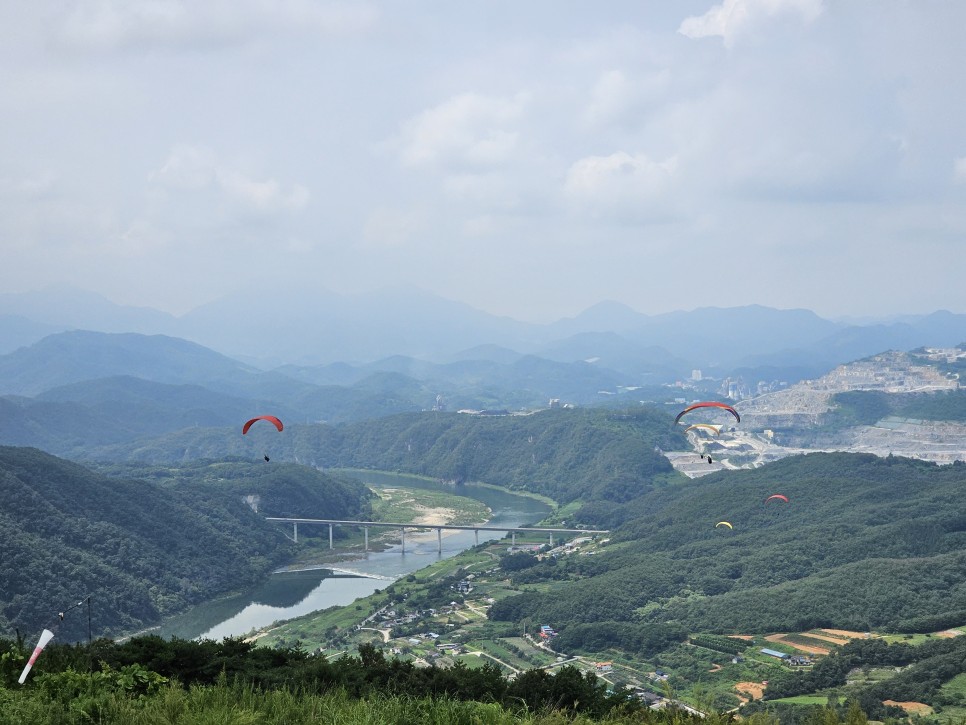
[243, 705]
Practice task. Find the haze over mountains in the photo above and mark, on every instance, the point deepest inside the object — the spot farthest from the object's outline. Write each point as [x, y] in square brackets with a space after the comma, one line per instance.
[308, 328]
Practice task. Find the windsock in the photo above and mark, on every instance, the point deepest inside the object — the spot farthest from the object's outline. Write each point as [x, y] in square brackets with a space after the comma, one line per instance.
[45, 637]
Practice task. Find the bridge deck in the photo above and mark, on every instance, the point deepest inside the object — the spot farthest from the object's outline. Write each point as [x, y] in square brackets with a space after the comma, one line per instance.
[400, 525]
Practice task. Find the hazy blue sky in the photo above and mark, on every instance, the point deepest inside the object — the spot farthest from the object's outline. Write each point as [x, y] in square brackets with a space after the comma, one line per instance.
[530, 158]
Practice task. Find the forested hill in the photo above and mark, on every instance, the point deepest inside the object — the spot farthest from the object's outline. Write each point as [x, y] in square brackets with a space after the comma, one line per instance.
[567, 454]
[863, 542]
[144, 548]
[866, 407]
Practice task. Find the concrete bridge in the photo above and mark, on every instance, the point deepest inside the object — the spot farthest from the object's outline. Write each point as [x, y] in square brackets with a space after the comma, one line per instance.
[366, 525]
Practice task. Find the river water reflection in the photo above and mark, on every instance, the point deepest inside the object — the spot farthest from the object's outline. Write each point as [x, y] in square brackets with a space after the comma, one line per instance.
[292, 594]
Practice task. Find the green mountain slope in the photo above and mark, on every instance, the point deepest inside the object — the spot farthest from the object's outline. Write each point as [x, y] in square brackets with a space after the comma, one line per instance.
[866, 407]
[144, 548]
[585, 454]
[864, 542]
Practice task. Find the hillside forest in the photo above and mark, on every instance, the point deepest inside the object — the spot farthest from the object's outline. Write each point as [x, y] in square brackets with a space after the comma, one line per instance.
[161, 522]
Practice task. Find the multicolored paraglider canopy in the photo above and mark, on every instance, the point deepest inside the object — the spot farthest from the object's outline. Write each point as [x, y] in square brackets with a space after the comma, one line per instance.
[709, 404]
[270, 418]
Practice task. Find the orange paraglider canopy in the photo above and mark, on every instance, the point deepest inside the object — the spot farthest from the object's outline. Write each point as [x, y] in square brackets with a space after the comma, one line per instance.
[777, 497]
[270, 418]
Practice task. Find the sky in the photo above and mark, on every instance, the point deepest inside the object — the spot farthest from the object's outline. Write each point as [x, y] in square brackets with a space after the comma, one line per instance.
[530, 159]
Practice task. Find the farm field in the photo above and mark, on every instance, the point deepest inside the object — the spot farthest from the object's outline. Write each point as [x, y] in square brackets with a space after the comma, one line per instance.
[423, 618]
[913, 708]
[807, 700]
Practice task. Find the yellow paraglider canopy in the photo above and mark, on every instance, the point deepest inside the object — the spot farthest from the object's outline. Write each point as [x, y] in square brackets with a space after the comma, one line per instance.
[715, 429]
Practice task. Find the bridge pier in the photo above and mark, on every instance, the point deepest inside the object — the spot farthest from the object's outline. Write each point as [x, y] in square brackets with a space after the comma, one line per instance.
[439, 540]
[404, 540]
[295, 532]
[513, 538]
[477, 532]
[330, 537]
[551, 539]
[365, 530]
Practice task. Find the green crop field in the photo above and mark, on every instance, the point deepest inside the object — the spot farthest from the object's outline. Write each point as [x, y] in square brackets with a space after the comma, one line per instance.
[807, 700]
[957, 685]
[807, 641]
[499, 651]
[473, 661]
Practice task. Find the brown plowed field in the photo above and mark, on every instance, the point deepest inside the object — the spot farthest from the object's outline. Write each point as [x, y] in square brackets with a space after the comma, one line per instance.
[754, 689]
[833, 640]
[800, 647]
[913, 708]
[846, 633]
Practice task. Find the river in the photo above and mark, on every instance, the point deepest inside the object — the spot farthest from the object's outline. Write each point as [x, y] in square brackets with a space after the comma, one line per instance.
[292, 594]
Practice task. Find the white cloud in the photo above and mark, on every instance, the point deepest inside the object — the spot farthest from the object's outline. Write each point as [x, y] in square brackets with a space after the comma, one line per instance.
[609, 97]
[484, 191]
[119, 24]
[27, 188]
[195, 168]
[263, 195]
[810, 133]
[481, 226]
[959, 169]
[620, 95]
[187, 167]
[392, 227]
[621, 185]
[466, 130]
[140, 237]
[733, 17]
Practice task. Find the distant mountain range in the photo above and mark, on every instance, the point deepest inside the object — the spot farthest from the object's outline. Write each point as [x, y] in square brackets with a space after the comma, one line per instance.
[312, 328]
[75, 390]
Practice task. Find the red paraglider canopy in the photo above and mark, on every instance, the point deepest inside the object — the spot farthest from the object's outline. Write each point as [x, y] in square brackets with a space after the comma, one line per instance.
[270, 418]
[708, 405]
[777, 496]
